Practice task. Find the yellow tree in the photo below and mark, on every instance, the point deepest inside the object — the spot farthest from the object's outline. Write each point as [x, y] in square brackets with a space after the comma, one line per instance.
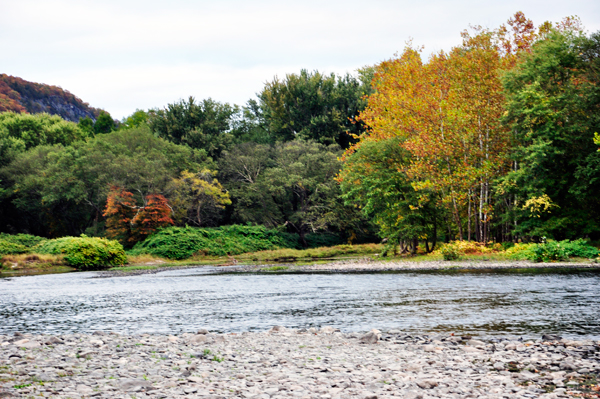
[197, 198]
[446, 112]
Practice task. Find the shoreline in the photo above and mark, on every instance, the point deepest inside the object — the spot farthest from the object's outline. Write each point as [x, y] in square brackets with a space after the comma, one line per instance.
[362, 265]
[287, 363]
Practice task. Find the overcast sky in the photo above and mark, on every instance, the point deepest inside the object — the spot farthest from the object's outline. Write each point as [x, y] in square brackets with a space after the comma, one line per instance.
[128, 54]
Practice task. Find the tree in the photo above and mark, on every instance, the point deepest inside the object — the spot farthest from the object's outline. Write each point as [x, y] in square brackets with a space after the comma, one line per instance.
[130, 223]
[313, 106]
[205, 125]
[289, 184]
[119, 213]
[198, 198]
[374, 179]
[552, 109]
[104, 123]
[21, 132]
[155, 213]
[137, 119]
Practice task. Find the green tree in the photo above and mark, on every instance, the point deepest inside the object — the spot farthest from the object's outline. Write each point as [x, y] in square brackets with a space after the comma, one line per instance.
[137, 119]
[313, 106]
[553, 103]
[104, 123]
[205, 125]
[20, 132]
[373, 179]
[86, 125]
[288, 184]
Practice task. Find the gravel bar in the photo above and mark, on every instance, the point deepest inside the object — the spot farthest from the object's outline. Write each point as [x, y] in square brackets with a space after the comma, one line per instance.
[286, 363]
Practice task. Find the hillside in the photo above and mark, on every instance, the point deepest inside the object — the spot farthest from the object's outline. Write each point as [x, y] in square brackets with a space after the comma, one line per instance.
[19, 95]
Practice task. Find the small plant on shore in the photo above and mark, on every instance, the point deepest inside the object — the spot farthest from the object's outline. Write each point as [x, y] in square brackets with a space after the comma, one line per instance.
[549, 251]
[450, 252]
[275, 268]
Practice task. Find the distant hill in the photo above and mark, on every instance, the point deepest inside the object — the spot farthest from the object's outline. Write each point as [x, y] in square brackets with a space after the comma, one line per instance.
[19, 95]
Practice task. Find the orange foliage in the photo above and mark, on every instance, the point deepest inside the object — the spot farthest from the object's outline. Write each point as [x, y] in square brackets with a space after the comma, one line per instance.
[155, 214]
[119, 212]
[129, 223]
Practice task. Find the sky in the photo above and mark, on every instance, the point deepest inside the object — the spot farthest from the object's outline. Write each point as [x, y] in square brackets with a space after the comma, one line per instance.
[128, 54]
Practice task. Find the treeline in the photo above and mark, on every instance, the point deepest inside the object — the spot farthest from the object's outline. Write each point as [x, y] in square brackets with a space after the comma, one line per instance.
[193, 163]
[491, 141]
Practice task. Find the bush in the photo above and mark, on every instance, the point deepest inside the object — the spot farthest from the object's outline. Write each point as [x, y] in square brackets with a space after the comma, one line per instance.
[85, 252]
[552, 251]
[11, 248]
[184, 242]
[521, 251]
[26, 240]
[580, 249]
[455, 249]
[450, 251]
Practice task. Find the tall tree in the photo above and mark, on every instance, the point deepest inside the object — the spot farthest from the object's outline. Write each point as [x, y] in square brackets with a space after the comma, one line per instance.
[205, 125]
[314, 106]
[374, 179]
[553, 104]
[289, 184]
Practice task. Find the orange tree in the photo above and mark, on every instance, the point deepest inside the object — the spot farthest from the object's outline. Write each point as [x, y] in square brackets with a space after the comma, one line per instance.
[130, 223]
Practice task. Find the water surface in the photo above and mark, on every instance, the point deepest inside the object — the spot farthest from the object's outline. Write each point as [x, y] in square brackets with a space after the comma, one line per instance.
[480, 303]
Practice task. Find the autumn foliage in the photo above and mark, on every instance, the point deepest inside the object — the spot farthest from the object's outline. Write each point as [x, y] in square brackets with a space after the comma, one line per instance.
[129, 223]
[446, 112]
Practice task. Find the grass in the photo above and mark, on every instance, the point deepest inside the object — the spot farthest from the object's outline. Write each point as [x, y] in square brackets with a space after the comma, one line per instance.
[275, 269]
[279, 255]
[32, 263]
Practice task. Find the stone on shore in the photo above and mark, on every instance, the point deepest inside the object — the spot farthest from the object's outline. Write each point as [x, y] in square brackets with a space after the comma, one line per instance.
[287, 363]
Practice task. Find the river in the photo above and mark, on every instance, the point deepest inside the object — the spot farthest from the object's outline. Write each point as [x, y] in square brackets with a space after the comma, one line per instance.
[487, 303]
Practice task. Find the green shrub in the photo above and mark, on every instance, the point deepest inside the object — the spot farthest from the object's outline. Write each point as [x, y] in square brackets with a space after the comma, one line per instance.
[11, 248]
[580, 249]
[521, 251]
[184, 242]
[26, 240]
[551, 251]
[450, 252]
[85, 252]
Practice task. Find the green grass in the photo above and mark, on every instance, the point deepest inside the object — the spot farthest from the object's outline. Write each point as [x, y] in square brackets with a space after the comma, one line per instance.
[312, 253]
[275, 269]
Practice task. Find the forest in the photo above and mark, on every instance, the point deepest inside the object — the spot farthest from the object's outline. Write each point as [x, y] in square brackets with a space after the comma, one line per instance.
[493, 141]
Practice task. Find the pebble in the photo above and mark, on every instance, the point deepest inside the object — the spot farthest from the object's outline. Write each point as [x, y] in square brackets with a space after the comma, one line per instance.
[287, 363]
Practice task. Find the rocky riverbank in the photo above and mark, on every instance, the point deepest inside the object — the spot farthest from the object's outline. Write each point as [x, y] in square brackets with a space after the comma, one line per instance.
[283, 363]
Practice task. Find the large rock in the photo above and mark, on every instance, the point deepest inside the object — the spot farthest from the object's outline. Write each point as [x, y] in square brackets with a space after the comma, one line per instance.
[372, 337]
[427, 384]
[276, 329]
[197, 339]
[134, 385]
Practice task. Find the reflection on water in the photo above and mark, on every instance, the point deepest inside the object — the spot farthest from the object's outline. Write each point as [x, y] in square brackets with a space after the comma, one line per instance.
[524, 304]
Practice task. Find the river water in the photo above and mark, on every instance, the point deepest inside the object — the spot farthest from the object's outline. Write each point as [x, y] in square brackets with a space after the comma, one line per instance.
[176, 301]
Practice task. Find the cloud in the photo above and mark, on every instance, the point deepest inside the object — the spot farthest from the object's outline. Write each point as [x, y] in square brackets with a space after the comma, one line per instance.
[128, 54]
